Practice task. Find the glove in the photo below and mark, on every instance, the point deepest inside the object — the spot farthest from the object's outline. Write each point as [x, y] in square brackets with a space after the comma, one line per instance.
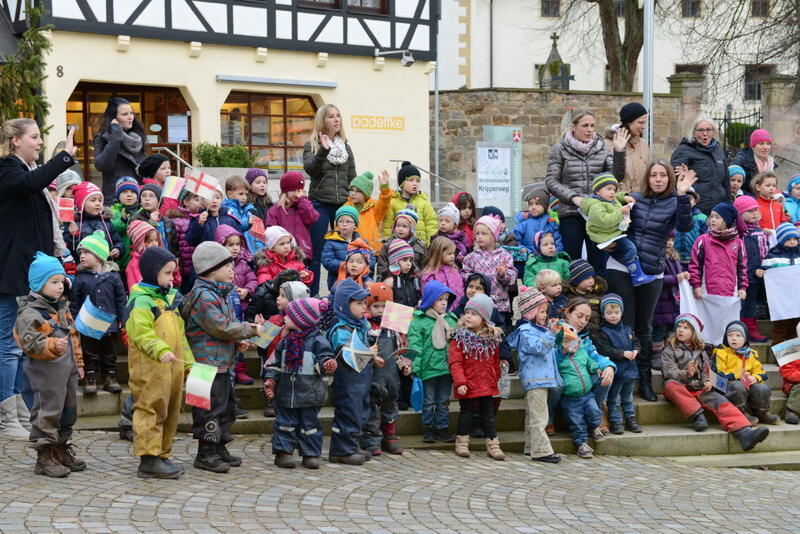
[269, 389]
[330, 366]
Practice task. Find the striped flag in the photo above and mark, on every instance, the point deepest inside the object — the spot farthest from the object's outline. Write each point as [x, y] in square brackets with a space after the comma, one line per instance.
[356, 354]
[92, 321]
[173, 186]
[198, 385]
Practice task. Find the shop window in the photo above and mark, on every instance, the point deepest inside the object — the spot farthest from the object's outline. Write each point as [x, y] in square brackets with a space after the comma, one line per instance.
[378, 6]
[551, 8]
[273, 127]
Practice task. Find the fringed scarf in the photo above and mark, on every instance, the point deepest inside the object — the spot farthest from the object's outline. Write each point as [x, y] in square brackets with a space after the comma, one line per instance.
[293, 353]
[579, 146]
[476, 346]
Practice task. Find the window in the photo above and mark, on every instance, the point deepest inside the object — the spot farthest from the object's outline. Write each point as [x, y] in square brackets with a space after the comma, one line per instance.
[619, 8]
[551, 8]
[760, 8]
[274, 128]
[690, 9]
[753, 74]
[377, 6]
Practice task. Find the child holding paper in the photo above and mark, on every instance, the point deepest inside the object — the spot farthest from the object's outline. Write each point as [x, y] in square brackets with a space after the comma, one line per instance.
[784, 254]
[98, 280]
[405, 274]
[158, 356]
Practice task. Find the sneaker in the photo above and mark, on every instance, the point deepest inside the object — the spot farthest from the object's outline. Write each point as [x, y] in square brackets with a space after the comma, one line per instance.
[241, 414]
[585, 451]
[111, 385]
[597, 435]
[617, 428]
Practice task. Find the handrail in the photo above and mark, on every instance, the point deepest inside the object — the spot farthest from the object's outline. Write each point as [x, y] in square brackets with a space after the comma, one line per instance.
[787, 160]
[436, 177]
[174, 155]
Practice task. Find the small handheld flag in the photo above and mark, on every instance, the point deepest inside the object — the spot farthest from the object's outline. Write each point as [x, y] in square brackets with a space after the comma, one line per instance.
[356, 354]
[173, 186]
[198, 385]
[200, 183]
[92, 321]
[66, 209]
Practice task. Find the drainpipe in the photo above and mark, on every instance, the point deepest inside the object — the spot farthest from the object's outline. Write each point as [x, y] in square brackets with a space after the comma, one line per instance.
[491, 43]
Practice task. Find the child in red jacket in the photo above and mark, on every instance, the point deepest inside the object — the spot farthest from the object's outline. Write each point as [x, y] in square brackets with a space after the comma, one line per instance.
[770, 201]
[791, 388]
[474, 358]
[280, 253]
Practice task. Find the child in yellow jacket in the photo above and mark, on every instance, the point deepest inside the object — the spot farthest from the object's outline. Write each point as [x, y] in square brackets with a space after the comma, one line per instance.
[371, 211]
[408, 183]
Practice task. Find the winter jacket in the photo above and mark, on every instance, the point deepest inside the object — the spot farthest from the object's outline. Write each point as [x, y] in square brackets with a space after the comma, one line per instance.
[791, 376]
[87, 225]
[40, 323]
[269, 265]
[557, 305]
[730, 365]
[166, 230]
[535, 264]
[588, 345]
[154, 324]
[382, 271]
[486, 262]
[371, 217]
[792, 207]
[675, 362]
[570, 174]
[459, 239]
[329, 183]
[407, 289]
[611, 340]
[746, 159]
[685, 240]
[708, 162]
[335, 253]
[113, 160]
[428, 221]
[668, 305]
[537, 364]
[243, 275]
[780, 256]
[264, 301]
[478, 372]
[772, 213]
[594, 297]
[133, 275]
[450, 276]
[637, 156]
[723, 265]
[527, 226]
[756, 244]
[465, 226]
[244, 213]
[120, 219]
[180, 219]
[197, 233]
[652, 220]
[106, 291]
[306, 387]
[604, 217]
[296, 220]
[428, 361]
[26, 218]
[210, 326]
[576, 371]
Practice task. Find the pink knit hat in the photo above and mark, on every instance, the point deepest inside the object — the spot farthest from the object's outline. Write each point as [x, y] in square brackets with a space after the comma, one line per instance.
[759, 136]
[83, 191]
[306, 313]
[745, 203]
[494, 224]
[274, 234]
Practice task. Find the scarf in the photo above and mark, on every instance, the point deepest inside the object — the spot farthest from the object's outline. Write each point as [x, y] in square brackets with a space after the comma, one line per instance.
[579, 146]
[441, 330]
[338, 152]
[754, 229]
[475, 346]
[59, 246]
[724, 235]
[132, 142]
[764, 165]
[293, 352]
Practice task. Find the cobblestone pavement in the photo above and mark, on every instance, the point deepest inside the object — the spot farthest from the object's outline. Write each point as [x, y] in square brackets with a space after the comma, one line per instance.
[422, 491]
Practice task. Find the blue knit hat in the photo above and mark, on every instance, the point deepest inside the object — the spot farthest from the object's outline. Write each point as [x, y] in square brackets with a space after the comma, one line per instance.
[42, 268]
[409, 213]
[579, 270]
[727, 212]
[126, 183]
[793, 181]
[786, 231]
[611, 298]
[736, 169]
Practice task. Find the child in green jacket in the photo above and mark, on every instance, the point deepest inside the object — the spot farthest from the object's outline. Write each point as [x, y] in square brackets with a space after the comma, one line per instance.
[547, 257]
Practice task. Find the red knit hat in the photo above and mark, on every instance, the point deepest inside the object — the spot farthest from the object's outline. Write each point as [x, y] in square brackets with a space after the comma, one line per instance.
[292, 181]
[83, 191]
[759, 136]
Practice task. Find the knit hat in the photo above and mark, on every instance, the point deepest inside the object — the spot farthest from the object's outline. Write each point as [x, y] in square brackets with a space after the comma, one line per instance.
[379, 292]
[41, 269]
[252, 174]
[495, 211]
[273, 234]
[399, 249]
[736, 169]
[450, 210]
[292, 181]
[727, 212]
[537, 241]
[602, 180]
[294, 290]
[786, 231]
[693, 321]
[149, 165]
[745, 203]
[611, 298]
[579, 270]
[154, 188]
[126, 183]
[66, 179]
[407, 170]
[210, 256]
[83, 191]
[630, 112]
[153, 260]
[359, 246]
[759, 136]
[482, 304]
[492, 223]
[95, 243]
[529, 300]
[305, 313]
[540, 194]
[137, 232]
[793, 181]
[737, 326]
[409, 213]
[350, 211]
[364, 182]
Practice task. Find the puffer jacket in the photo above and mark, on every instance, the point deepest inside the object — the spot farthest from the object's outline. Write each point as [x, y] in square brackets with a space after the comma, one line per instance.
[87, 225]
[335, 253]
[526, 227]
[792, 207]
[746, 159]
[675, 362]
[329, 183]
[296, 220]
[576, 371]
[382, 261]
[478, 372]
[306, 387]
[427, 223]
[668, 306]
[604, 217]
[708, 162]
[428, 362]
[537, 364]
[166, 229]
[104, 289]
[269, 265]
[536, 264]
[685, 240]
[485, 262]
[652, 220]
[407, 289]
[197, 233]
[780, 256]
[724, 264]
[756, 244]
[570, 174]
[113, 160]
[39, 325]
[155, 326]
[371, 217]
[611, 340]
[772, 213]
[180, 219]
[729, 364]
[790, 373]
[243, 275]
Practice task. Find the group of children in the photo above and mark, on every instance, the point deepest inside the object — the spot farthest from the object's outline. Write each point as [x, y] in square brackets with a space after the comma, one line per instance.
[188, 279]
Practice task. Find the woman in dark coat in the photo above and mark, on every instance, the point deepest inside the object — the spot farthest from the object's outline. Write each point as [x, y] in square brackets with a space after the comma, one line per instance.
[29, 219]
[119, 146]
[701, 153]
[755, 159]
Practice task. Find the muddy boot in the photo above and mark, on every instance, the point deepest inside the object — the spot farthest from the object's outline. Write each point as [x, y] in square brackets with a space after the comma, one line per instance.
[9, 423]
[90, 383]
[227, 457]
[353, 459]
[47, 463]
[493, 449]
[66, 457]
[208, 459]
[462, 446]
[311, 462]
[111, 385]
[749, 437]
[155, 467]
[284, 460]
[390, 442]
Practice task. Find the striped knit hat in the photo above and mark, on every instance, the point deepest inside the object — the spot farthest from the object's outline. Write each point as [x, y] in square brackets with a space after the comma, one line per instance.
[126, 183]
[482, 304]
[579, 270]
[306, 313]
[95, 243]
[529, 300]
[736, 169]
[786, 231]
[409, 213]
[611, 298]
[793, 181]
[692, 320]
[602, 180]
[399, 249]
[359, 246]
[137, 232]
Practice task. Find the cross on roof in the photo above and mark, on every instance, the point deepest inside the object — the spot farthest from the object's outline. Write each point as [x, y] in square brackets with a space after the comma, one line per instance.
[554, 37]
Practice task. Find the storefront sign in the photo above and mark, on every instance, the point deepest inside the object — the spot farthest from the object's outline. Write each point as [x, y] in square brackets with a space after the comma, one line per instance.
[493, 173]
[375, 122]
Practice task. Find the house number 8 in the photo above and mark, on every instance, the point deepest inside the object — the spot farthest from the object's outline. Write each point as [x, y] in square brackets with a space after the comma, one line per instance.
[60, 71]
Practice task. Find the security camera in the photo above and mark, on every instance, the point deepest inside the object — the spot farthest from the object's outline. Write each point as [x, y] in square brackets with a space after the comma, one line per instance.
[407, 60]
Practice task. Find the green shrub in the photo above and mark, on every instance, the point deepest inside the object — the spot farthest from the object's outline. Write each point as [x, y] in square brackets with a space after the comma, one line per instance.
[737, 134]
[223, 156]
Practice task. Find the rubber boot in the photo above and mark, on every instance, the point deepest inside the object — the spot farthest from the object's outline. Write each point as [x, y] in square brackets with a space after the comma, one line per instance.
[311, 462]
[66, 457]
[752, 329]
[791, 417]
[493, 449]
[749, 437]
[241, 374]
[155, 467]
[10, 426]
[638, 278]
[47, 463]
[766, 418]
[646, 389]
[353, 459]
[23, 414]
[462, 446]
[177, 468]
[111, 385]
[208, 459]
[284, 460]
[699, 422]
[390, 442]
[227, 457]
[90, 383]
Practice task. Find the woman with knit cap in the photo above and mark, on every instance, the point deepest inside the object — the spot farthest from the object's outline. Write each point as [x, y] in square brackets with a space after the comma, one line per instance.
[633, 118]
[756, 158]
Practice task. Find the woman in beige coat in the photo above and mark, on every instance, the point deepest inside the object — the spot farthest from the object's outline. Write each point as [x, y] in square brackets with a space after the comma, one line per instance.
[632, 117]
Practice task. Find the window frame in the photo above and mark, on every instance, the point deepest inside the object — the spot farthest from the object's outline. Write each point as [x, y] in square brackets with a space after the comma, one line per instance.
[550, 4]
[752, 87]
[619, 8]
[764, 5]
[339, 5]
[686, 3]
